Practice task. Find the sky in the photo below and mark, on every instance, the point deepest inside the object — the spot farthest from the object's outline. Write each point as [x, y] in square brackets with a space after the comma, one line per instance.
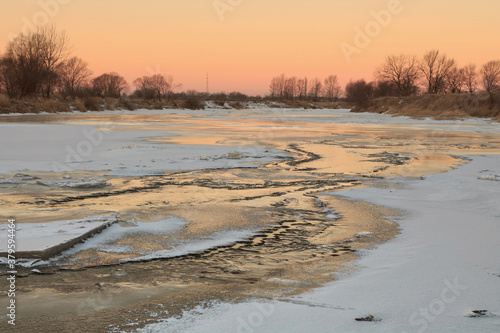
[242, 44]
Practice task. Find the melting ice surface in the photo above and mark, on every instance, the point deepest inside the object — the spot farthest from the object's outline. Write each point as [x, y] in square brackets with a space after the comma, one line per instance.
[109, 240]
[165, 234]
[443, 266]
[41, 236]
[121, 153]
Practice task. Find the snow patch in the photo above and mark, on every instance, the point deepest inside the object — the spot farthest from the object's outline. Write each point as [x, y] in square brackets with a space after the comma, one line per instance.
[75, 183]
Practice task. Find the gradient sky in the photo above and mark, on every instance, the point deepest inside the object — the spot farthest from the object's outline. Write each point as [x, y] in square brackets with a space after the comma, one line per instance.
[256, 39]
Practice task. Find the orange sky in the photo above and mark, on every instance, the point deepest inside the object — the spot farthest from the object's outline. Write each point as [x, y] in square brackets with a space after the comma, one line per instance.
[247, 42]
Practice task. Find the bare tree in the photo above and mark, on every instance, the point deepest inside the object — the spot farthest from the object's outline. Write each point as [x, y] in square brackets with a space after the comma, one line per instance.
[25, 67]
[34, 60]
[9, 80]
[302, 88]
[109, 85]
[143, 85]
[332, 89]
[316, 89]
[385, 88]
[403, 71]
[54, 51]
[274, 88]
[456, 79]
[73, 75]
[157, 86]
[277, 87]
[290, 89]
[490, 74]
[471, 78]
[435, 68]
[165, 85]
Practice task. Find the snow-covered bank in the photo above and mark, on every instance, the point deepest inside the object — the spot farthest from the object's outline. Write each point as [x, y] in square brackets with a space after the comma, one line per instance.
[443, 266]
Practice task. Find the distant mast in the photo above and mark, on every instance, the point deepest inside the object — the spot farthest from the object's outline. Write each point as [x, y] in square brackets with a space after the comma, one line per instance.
[208, 91]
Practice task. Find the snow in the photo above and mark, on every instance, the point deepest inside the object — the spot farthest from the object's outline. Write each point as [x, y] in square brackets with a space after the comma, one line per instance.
[107, 240]
[39, 237]
[67, 147]
[75, 183]
[443, 266]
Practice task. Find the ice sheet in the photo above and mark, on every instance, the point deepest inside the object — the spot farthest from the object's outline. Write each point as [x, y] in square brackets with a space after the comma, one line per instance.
[444, 265]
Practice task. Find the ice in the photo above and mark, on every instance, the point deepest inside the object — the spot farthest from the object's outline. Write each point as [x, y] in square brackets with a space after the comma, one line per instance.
[443, 266]
[38, 237]
[66, 147]
[109, 240]
[106, 240]
[75, 183]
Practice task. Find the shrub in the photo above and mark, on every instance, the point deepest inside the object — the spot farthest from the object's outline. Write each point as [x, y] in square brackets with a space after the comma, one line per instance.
[111, 103]
[193, 104]
[236, 105]
[359, 92]
[79, 105]
[92, 103]
[4, 101]
[126, 104]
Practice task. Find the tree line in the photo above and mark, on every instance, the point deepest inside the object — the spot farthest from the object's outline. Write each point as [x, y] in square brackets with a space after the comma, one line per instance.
[39, 63]
[437, 73]
[433, 73]
[399, 75]
[289, 88]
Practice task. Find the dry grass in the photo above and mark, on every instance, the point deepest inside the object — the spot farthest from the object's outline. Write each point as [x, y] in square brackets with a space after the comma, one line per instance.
[110, 103]
[151, 105]
[79, 105]
[447, 106]
[51, 105]
[34, 105]
[92, 103]
[192, 104]
[300, 105]
[236, 105]
[335, 105]
[4, 101]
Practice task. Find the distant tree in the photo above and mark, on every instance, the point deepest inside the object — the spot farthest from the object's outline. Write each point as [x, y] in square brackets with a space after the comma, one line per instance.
[109, 85]
[331, 87]
[435, 68]
[290, 88]
[32, 62]
[144, 87]
[54, 51]
[385, 88]
[302, 88]
[490, 74]
[236, 95]
[359, 92]
[455, 79]
[9, 79]
[471, 78]
[73, 75]
[275, 87]
[316, 89]
[219, 95]
[402, 71]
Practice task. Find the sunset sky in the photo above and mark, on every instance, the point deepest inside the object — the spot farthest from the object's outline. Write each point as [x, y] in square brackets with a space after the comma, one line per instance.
[244, 43]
